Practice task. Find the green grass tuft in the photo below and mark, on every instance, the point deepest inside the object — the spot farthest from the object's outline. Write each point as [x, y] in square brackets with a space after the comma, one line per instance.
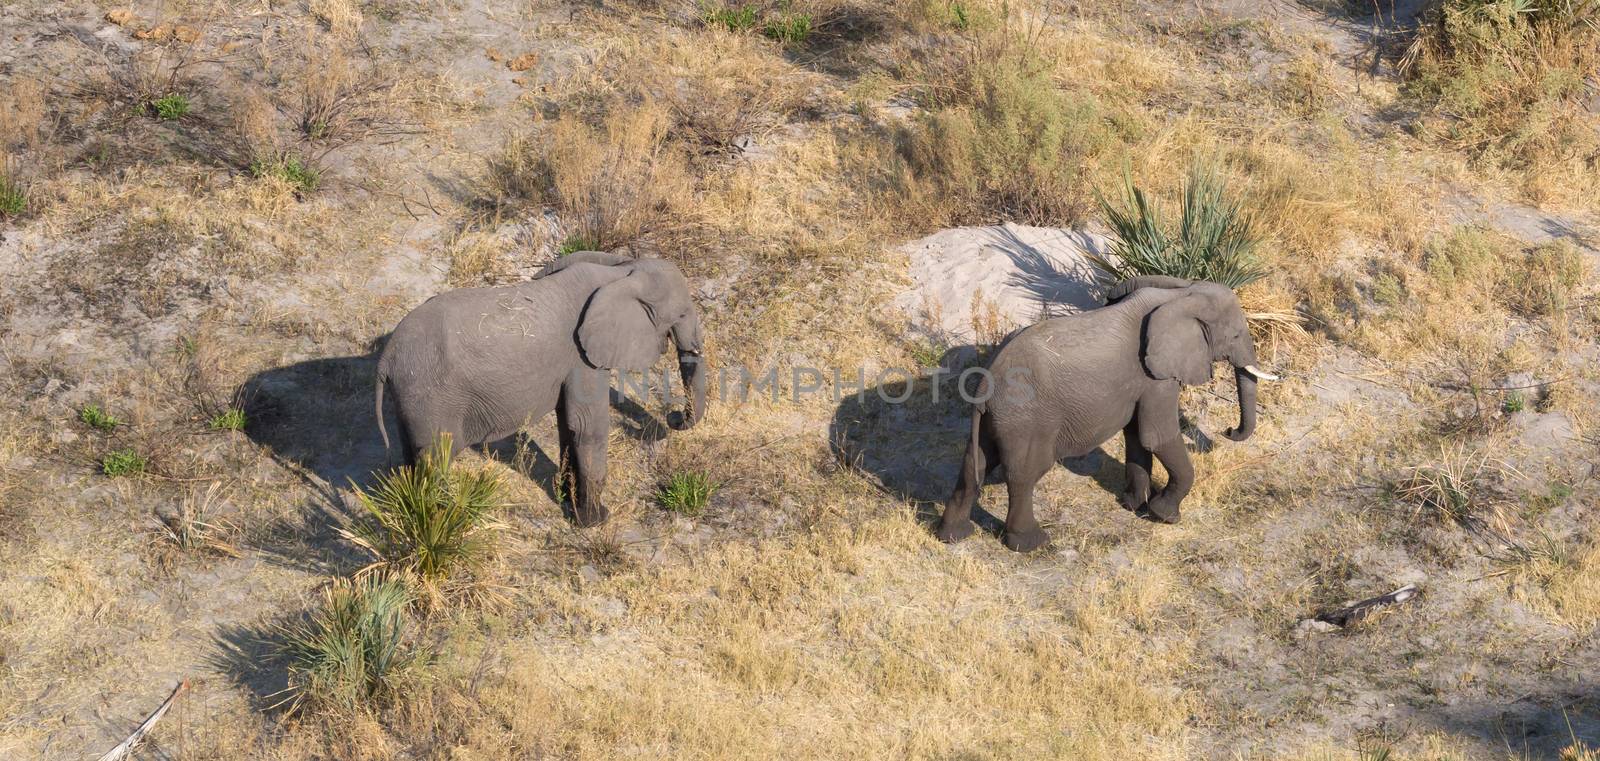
[350, 651]
[789, 30]
[575, 243]
[233, 419]
[13, 198]
[741, 19]
[686, 493]
[170, 107]
[304, 177]
[123, 462]
[97, 418]
[429, 520]
[1215, 239]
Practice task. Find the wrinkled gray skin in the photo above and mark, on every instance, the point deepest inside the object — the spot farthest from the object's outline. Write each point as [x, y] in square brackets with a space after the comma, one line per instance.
[478, 363]
[1063, 386]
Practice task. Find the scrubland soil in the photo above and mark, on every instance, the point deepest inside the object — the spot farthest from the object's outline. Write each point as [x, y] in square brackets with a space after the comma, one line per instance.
[1431, 303]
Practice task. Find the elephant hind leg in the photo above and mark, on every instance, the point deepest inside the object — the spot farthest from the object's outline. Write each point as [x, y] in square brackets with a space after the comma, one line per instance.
[1024, 468]
[1136, 458]
[980, 459]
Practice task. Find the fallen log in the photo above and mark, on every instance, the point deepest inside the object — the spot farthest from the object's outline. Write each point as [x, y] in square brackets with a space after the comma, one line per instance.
[1351, 614]
[121, 751]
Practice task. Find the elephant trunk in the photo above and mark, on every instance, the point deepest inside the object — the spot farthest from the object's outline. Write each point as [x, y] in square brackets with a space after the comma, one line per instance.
[692, 367]
[1246, 378]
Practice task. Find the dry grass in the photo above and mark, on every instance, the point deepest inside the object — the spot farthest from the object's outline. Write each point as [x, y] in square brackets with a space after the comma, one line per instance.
[805, 610]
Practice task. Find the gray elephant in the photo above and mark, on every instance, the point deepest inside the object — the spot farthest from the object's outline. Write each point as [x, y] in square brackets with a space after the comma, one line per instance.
[477, 363]
[1063, 386]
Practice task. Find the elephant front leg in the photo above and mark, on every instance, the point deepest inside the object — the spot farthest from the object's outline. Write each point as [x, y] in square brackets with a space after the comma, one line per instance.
[584, 424]
[1137, 461]
[1180, 478]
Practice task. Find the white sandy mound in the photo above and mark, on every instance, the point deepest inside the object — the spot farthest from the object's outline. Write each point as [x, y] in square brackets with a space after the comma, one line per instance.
[1025, 273]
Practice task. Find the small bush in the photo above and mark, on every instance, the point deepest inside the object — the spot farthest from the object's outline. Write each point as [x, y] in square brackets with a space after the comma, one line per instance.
[170, 107]
[1545, 282]
[615, 183]
[686, 493]
[1513, 403]
[1506, 80]
[429, 520]
[1215, 239]
[233, 419]
[350, 651]
[97, 418]
[290, 169]
[741, 19]
[123, 462]
[1466, 261]
[574, 243]
[789, 30]
[1460, 488]
[189, 528]
[1001, 140]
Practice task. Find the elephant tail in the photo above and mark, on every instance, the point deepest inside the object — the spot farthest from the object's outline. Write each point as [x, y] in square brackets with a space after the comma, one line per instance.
[382, 380]
[975, 477]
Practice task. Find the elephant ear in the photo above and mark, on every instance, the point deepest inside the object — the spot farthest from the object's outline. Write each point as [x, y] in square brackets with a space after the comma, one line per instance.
[581, 257]
[1175, 342]
[616, 330]
[1126, 288]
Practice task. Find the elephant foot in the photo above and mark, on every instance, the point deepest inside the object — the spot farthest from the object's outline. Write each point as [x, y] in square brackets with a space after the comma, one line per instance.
[1161, 510]
[1025, 541]
[1133, 502]
[951, 533]
[593, 516]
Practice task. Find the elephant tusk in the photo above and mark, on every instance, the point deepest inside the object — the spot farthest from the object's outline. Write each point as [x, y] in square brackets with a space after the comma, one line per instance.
[1260, 374]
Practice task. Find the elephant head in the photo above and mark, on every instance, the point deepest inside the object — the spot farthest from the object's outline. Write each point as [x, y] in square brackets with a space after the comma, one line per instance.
[627, 321]
[1184, 336]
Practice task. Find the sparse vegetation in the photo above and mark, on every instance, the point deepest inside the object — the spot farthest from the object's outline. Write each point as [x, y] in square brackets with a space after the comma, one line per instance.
[190, 527]
[231, 419]
[302, 177]
[686, 493]
[352, 651]
[430, 521]
[573, 244]
[1215, 238]
[95, 417]
[123, 462]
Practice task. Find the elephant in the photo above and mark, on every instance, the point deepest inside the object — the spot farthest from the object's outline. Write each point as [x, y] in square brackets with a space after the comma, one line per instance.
[1061, 387]
[477, 363]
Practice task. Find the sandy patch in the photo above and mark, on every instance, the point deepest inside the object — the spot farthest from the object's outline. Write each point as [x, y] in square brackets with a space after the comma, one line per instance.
[1024, 274]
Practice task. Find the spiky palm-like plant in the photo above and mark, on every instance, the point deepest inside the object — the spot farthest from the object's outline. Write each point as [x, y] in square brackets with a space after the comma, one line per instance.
[348, 653]
[429, 520]
[1215, 238]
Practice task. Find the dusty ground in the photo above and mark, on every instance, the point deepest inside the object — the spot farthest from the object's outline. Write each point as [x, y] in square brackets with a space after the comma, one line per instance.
[809, 610]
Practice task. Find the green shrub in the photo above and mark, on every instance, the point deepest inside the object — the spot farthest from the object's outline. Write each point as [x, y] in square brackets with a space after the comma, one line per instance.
[169, 107]
[1506, 78]
[789, 30]
[1469, 258]
[429, 520]
[123, 462]
[1000, 140]
[301, 175]
[13, 197]
[1545, 282]
[93, 416]
[741, 19]
[1215, 239]
[575, 243]
[686, 493]
[233, 419]
[1514, 402]
[351, 650]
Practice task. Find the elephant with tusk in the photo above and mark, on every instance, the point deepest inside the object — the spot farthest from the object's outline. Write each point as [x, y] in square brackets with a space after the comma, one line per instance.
[1063, 386]
[477, 362]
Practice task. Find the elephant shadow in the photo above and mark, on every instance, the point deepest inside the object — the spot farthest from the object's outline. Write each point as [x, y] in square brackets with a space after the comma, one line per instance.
[909, 437]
